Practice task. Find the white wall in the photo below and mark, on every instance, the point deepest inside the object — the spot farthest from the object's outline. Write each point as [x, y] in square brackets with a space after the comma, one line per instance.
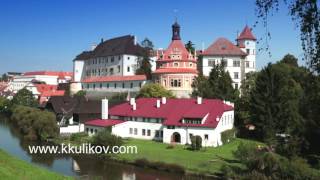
[110, 86]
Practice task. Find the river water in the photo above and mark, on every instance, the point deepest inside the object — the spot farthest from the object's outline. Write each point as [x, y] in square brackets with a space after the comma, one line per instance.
[80, 166]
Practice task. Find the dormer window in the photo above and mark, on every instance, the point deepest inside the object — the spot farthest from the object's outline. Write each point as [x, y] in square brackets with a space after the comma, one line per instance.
[192, 120]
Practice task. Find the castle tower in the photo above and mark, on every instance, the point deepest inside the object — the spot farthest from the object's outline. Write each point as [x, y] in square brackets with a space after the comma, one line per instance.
[176, 67]
[246, 41]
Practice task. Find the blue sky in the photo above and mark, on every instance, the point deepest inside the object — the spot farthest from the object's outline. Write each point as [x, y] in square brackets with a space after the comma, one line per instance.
[48, 34]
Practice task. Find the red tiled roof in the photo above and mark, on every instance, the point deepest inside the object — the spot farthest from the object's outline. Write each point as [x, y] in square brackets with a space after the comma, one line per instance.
[175, 70]
[53, 93]
[176, 46]
[175, 110]
[103, 123]
[115, 78]
[48, 73]
[222, 46]
[246, 34]
[45, 87]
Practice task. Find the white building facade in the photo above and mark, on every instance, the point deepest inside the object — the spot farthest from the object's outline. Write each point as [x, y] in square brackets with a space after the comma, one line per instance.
[167, 120]
[238, 59]
[116, 58]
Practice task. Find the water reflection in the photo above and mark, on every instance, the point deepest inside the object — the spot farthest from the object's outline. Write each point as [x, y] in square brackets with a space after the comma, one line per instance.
[80, 166]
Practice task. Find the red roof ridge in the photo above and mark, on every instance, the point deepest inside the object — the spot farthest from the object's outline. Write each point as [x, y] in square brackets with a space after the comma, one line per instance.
[223, 46]
[246, 34]
[115, 78]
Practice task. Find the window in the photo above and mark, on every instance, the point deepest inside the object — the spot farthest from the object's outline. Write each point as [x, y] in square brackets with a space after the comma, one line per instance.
[130, 130]
[140, 84]
[94, 86]
[211, 62]
[248, 51]
[247, 64]
[236, 63]
[111, 71]
[131, 85]
[119, 68]
[119, 58]
[87, 86]
[115, 85]
[206, 137]
[171, 127]
[95, 131]
[128, 57]
[236, 86]
[236, 75]
[157, 134]
[135, 131]
[224, 62]
[100, 85]
[149, 132]
[122, 85]
[190, 135]
[161, 134]
[143, 132]
[87, 130]
[175, 82]
[112, 59]
[128, 69]
[91, 131]
[107, 85]
[190, 64]
[175, 64]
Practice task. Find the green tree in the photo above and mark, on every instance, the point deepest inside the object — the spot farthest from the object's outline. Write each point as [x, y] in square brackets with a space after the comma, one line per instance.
[154, 90]
[218, 85]
[145, 67]
[4, 77]
[290, 60]
[196, 143]
[35, 124]
[81, 93]
[147, 44]
[4, 104]
[274, 105]
[190, 47]
[24, 97]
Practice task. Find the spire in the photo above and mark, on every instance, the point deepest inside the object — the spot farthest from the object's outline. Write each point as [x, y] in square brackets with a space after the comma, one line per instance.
[176, 31]
[246, 34]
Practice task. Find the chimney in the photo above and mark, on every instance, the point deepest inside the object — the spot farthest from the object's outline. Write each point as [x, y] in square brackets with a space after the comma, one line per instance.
[164, 100]
[158, 103]
[134, 106]
[104, 109]
[135, 40]
[132, 101]
[199, 100]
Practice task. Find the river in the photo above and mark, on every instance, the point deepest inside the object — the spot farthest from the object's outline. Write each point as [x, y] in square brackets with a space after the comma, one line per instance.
[80, 166]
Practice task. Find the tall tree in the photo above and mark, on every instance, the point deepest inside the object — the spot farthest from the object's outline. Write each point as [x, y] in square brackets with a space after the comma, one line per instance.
[145, 67]
[147, 44]
[306, 15]
[274, 106]
[24, 97]
[218, 85]
[190, 47]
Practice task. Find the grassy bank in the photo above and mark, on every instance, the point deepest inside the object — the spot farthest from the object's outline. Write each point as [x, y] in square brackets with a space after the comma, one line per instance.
[13, 168]
[209, 160]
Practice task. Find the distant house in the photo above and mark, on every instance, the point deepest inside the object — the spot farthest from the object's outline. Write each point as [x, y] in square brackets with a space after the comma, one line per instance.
[44, 77]
[166, 120]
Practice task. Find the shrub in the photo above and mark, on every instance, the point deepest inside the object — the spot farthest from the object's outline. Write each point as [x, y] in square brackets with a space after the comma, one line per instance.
[170, 146]
[228, 135]
[77, 137]
[196, 143]
[35, 124]
[105, 138]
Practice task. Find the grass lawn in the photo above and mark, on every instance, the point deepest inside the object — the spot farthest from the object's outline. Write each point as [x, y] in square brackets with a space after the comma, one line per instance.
[13, 168]
[208, 160]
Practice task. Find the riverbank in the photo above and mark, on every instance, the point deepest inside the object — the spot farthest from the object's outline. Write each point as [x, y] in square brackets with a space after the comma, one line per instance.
[208, 161]
[13, 168]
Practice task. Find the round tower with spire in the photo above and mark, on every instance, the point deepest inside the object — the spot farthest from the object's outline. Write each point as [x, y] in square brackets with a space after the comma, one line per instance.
[176, 66]
[247, 43]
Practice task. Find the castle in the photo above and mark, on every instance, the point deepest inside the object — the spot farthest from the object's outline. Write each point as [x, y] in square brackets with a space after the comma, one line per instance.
[110, 67]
